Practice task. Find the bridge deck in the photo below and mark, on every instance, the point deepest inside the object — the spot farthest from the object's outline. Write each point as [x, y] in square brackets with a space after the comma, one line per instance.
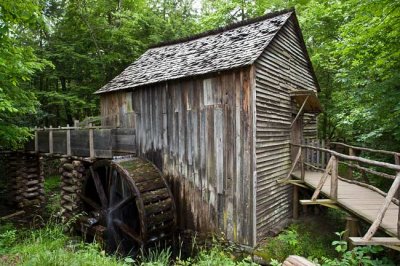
[360, 201]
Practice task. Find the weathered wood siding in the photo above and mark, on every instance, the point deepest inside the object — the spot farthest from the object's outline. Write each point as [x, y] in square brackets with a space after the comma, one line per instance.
[199, 131]
[281, 67]
[116, 110]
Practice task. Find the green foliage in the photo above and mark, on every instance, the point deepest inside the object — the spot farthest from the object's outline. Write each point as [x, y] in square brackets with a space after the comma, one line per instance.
[50, 246]
[217, 256]
[362, 255]
[7, 239]
[53, 196]
[155, 257]
[297, 239]
[18, 61]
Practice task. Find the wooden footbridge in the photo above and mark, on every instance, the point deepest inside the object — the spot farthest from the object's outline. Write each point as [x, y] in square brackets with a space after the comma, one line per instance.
[317, 167]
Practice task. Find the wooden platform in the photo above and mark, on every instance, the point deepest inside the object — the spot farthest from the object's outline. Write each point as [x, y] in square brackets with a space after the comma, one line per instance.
[360, 201]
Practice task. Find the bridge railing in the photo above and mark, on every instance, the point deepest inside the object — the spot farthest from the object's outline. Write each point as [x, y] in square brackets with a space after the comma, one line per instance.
[89, 141]
[332, 167]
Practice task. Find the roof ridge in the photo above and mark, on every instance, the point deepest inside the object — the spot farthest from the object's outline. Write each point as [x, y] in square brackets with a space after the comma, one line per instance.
[222, 29]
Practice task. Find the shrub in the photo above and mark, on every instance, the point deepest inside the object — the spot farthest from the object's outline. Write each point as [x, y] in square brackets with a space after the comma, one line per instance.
[297, 239]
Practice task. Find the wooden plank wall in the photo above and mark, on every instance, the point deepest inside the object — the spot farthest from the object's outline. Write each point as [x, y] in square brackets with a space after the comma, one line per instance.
[116, 110]
[199, 132]
[281, 67]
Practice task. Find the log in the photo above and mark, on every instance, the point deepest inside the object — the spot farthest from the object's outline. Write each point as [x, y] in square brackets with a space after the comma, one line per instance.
[353, 158]
[369, 170]
[12, 215]
[334, 179]
[297, 261]
[374, 227]
[322, 180]
[366, 149]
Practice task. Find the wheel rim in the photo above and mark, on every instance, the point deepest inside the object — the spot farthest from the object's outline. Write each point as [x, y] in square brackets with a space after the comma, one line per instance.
[109, 200]
[126, 208]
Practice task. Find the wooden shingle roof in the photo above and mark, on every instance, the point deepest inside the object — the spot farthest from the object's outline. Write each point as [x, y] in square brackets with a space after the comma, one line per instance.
[236, 46]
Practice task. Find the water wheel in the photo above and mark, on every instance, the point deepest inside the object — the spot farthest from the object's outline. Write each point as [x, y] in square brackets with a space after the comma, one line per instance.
[128, 205]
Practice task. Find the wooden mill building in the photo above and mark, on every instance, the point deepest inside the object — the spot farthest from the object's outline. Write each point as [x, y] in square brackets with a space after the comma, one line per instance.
[214, 112]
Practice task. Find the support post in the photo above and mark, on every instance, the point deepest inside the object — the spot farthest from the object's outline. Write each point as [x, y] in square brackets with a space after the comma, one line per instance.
[352, 230]
[68, 140]
[334, 179]
[302, 169]
[350, 169]
[295, 202]
[50, 139]
[91, 143]
[36, 139]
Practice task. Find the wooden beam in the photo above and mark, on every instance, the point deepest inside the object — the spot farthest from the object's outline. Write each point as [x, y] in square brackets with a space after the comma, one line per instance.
[295, 202]
[68, 140]
[302, 166]
[300, 111]
[36, 140]
[374, 227]
[294, 182]
[50, 139]
[352, 158]
[12, 215]
[384, 175]
[325, 202]
[334, 179]
[366, 149]
[91, 142]
[292, 168]
[390, 241]
[322, 180]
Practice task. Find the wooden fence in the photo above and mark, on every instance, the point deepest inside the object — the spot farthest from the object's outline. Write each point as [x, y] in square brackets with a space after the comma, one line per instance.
[91, 141]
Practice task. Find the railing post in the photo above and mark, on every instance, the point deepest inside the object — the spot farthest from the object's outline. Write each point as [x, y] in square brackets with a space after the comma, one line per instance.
[350, 169]
[68, 140]
[91, 143]
[334, 179]
[36, 139]
[295, 202]
[50, 139]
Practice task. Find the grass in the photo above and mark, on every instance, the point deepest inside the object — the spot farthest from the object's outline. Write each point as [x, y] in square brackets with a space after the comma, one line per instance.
[50, 245]
[53, 196]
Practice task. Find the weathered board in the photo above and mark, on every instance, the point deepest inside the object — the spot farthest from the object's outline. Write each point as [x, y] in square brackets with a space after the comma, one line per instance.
[106, 142]
[123, 140]
[200, 133]
[282, 67]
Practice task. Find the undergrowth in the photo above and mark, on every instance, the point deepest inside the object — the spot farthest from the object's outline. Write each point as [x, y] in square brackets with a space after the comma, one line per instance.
[297, 239]
[51, 246]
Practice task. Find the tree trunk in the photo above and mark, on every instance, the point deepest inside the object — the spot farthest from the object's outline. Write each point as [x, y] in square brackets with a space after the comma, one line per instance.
[67, 106]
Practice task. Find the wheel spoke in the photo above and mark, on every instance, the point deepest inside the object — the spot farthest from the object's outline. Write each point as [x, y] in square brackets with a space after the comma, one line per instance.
[122, 204]
[99, 188]
[91, 202]
[128, 231]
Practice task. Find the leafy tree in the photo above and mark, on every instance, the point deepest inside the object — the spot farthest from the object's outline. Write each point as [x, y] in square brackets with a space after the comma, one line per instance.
[18, 62]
